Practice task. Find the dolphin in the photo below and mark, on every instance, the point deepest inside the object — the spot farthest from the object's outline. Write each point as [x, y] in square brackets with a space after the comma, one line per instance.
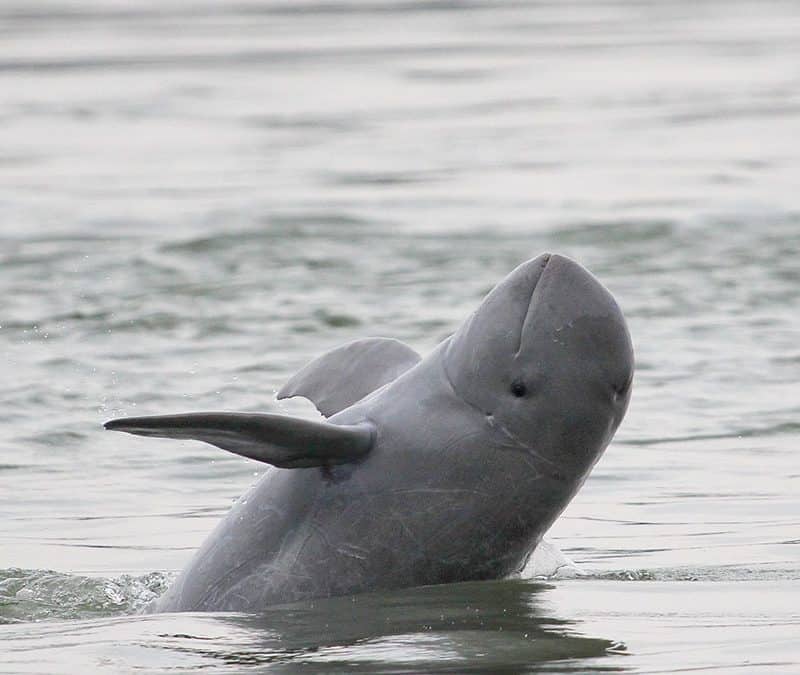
[429, 470]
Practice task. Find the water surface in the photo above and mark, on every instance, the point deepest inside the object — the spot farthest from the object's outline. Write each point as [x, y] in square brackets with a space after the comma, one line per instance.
[194, 202]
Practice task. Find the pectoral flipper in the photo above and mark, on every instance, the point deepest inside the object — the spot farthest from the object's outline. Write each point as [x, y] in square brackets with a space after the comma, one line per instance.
[280, 440]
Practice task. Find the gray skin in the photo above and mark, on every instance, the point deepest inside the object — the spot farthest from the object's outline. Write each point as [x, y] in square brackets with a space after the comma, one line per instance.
[468, 456]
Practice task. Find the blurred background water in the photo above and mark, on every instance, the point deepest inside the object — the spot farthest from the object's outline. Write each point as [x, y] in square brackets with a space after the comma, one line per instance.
[197, 198]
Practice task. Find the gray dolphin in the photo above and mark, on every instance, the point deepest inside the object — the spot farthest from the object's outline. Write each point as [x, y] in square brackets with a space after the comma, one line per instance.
[428, 470]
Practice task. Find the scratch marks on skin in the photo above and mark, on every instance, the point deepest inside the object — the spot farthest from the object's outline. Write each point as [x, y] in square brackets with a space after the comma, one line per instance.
[313, 530]
[559, 339]
[215, 587]
[460, 439]
[423, 491]
[400, 517]
[352, 551]
[513, 443]
[222, 585]
[439, 491]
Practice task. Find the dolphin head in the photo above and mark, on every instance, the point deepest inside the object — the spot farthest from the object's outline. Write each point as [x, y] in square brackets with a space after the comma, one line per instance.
[547, 358]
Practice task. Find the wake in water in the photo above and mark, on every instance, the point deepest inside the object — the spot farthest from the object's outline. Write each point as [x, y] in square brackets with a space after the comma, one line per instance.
[34, 595]
[37, 595]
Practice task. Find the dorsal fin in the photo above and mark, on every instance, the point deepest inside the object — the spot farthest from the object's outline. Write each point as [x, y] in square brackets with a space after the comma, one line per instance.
[281, 440]
[346, 374]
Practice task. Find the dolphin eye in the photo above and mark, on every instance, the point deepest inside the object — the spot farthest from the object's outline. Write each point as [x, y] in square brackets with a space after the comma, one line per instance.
[518, 389]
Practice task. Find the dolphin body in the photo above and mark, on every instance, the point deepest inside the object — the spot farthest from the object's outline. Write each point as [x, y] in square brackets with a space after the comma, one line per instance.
[427, 470]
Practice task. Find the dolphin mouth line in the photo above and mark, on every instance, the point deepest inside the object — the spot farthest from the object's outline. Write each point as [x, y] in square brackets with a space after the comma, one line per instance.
[494, 424]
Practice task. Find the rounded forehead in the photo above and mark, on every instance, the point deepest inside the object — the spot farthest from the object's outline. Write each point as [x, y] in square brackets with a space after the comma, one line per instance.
[549, 317]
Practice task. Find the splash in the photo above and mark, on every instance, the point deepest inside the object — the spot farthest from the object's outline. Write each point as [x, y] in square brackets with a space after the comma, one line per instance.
[36, 595]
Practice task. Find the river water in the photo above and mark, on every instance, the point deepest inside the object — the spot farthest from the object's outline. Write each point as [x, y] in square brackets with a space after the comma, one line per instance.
[196, 200]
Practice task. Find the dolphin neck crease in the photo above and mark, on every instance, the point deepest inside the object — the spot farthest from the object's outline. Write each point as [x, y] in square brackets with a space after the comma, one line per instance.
[515, 444]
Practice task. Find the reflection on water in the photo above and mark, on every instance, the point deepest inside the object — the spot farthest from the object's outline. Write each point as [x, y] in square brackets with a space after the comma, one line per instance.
[477, 627]
[427, 628]
[499, 627]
